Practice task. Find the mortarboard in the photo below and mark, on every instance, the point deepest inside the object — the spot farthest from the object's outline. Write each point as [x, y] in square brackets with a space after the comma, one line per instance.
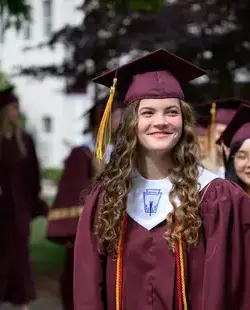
[201, 127]
[156, 75]
[101, 102]
[239, 127]
[7, 97]
[96, 110]
[98, 103]
[224, 109]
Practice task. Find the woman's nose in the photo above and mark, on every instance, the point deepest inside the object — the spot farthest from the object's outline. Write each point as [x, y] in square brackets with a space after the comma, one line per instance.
[160, 119]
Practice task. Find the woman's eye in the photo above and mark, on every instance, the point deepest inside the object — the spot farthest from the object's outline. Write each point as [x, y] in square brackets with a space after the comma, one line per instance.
[173, 112]
[240, 156]
[147, 113]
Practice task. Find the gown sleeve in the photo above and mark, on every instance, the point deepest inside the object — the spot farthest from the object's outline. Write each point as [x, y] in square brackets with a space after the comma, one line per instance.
[89, 261]
[227, 236]
[72, 189]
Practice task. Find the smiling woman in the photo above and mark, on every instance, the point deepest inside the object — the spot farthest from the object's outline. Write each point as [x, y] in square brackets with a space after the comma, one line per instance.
[237, 137]
[156, 229]
[159, 125]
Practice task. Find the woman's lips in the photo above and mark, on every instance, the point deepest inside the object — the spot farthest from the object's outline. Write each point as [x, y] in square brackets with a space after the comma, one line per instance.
[160, 134]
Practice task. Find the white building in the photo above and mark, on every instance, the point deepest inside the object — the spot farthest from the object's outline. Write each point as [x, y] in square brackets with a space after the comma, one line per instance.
[53, 117]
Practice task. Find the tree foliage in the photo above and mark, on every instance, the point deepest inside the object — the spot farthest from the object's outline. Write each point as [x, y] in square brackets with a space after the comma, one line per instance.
[213, 34]
[13, 12]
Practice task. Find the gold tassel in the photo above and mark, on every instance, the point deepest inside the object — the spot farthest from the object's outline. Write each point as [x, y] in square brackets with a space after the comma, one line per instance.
[213, 113]
[211, 128]
[105, 130]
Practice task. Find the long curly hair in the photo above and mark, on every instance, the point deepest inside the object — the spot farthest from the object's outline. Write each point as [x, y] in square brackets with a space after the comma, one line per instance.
[116, 180]
[7, 127]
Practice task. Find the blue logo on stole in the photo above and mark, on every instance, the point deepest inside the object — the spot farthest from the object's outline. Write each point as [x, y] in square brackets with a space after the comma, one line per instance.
[151, 198]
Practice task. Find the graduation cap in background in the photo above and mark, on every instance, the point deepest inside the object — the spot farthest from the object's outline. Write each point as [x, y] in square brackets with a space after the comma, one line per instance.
[156, 75]
[7, 97]
[239, 127]
[202, 124]
[221, 110]
[95, 113]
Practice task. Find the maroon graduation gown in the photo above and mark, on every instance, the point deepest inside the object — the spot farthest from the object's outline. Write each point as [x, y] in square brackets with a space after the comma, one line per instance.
[73, 187]
[217, 269]
[65, 212]
[19, 203]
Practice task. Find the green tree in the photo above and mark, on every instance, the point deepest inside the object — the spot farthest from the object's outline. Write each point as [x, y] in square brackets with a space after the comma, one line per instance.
[212, 34]
[12, 12]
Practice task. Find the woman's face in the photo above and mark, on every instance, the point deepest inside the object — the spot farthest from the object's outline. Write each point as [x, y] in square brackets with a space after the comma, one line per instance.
[219, 129]
[159, 124]
[242, 162]
[13, 113]
[203, 145]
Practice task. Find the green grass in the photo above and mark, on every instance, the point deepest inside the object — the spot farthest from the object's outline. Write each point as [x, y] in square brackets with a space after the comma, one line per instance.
[45, 255]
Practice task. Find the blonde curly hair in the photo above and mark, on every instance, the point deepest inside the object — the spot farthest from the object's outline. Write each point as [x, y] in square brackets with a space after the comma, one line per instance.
[116, 180]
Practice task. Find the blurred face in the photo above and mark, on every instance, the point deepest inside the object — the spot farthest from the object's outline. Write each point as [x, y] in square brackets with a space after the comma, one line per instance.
[219, 129]
[203, 145]
[159, 124]
[13, 113]
[242, 163]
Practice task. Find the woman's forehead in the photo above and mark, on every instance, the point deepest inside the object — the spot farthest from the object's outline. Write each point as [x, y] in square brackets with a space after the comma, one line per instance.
[245, 145]
[155, 103]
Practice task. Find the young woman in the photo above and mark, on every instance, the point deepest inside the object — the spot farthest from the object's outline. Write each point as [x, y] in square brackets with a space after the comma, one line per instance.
[19, 203]
[66, 209]
[157, 231]
[237, 138]
[224, 109]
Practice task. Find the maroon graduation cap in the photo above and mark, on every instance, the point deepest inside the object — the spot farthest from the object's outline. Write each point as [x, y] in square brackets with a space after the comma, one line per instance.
[156, 75]
[7, 96]
[225, 109]
[239, 127]
[201, 127]
[95, 110]
[101, 102]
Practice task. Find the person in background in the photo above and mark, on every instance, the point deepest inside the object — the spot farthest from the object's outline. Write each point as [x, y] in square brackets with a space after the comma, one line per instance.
[237, 138]
[19, 203]
[158, 231]
[80, 168]
[220, 111]
[201, 132]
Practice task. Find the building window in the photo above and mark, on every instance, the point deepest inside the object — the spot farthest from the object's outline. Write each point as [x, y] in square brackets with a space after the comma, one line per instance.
[47, 15]
[47, 124]
[27, 30]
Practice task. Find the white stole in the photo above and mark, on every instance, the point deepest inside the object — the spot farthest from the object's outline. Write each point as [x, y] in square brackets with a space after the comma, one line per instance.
[148, 200]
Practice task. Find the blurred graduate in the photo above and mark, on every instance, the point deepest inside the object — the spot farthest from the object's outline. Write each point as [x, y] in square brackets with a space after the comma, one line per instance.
[221, 112]
[236, 138]
[201, 129]
[80, 168]
[157, 230]
[19, 201]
